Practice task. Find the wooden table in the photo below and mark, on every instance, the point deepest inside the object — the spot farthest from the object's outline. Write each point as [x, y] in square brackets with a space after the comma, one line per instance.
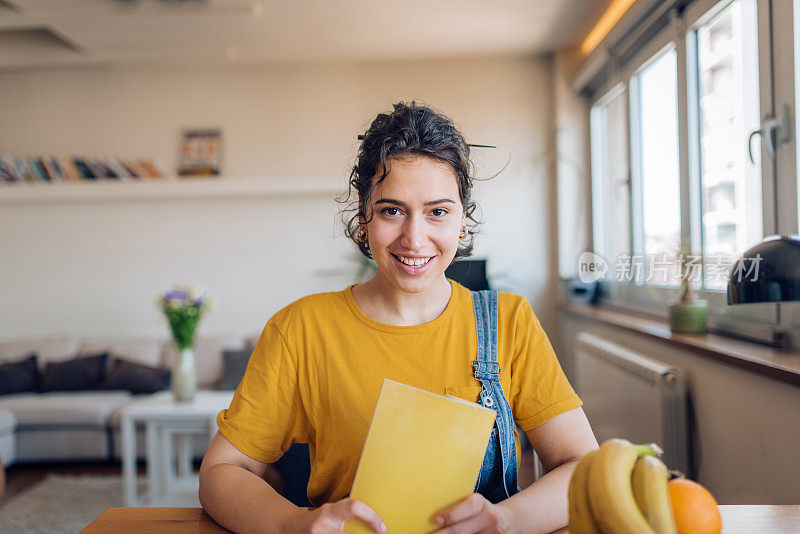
[736, 519]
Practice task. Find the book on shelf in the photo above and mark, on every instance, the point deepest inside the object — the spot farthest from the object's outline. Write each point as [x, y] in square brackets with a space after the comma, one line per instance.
[24, 170]
[8, 169]
[84, 169]
[56, 166]
[117, 168]
[422, 455]
[98, 169]
[51, 171]
[14, 169]
[151, 168]
[128, 167]
[70, 171]
[36, 170]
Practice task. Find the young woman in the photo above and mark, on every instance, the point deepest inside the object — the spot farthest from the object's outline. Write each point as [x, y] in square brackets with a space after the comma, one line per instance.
[316, 372]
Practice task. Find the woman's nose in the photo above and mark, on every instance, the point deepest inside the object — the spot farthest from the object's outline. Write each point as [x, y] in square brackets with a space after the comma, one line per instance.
[413, 236]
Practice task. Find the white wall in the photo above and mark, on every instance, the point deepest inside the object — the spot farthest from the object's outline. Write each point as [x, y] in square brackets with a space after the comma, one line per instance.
[95, 268]
[572, 167]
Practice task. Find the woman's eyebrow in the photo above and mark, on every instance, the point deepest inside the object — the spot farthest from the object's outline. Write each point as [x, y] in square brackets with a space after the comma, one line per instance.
[403, 204]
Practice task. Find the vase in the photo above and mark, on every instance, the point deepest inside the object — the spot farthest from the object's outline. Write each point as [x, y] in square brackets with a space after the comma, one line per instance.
[184, 377]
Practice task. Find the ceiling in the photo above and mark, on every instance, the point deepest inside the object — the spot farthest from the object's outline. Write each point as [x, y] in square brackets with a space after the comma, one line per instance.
[41, 34]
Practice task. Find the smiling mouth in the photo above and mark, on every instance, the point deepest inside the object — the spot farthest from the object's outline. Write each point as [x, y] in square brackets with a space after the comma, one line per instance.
[413, 262]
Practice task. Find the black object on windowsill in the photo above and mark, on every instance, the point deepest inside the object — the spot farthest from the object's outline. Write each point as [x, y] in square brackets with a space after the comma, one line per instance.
[768, 272]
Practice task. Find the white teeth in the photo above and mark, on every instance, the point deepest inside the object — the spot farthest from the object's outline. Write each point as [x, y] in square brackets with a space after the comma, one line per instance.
[414, 262]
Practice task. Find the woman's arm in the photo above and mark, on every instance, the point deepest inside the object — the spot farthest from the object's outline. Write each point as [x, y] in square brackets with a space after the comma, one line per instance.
[560, 443]
[541, 507]
[234, 493]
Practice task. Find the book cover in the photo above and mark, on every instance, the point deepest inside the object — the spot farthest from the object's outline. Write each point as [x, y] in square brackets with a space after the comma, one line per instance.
[97, 168]
[422, 455]
[150, 168]
[45, 163]
[69, 169]
[130, 167]
[9, 171]
[24, 169]
[84, 169]
[57, 168]
[116, 167]
[38, 171]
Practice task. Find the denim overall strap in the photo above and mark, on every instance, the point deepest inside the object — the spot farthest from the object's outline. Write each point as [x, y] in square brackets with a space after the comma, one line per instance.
[497, 479]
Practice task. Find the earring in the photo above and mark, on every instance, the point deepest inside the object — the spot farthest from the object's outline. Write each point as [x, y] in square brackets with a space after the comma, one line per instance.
[463, 234]
[362, 236]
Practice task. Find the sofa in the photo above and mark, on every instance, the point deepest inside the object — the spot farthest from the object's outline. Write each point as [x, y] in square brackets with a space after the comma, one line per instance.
[51, 422]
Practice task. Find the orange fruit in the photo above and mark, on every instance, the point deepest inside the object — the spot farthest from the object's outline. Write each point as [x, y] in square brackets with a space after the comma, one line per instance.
[694, 508]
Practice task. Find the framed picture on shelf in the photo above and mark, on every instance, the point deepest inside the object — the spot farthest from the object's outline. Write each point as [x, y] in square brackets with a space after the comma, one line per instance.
[200, 153]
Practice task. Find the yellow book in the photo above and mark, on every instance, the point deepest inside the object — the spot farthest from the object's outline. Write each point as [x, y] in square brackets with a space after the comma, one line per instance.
[422, 455]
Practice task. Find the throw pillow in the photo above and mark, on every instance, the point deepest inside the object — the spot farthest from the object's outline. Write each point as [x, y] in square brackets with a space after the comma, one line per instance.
[18, 377]
[75, 375]
[234, 364]
[136, 377]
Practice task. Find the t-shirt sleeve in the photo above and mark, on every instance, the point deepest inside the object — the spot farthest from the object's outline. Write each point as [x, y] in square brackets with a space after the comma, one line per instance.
[266, 414]
[540, 389]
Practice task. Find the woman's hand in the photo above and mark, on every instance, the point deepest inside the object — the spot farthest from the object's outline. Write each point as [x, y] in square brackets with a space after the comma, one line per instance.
[475, 515]
[330, 517]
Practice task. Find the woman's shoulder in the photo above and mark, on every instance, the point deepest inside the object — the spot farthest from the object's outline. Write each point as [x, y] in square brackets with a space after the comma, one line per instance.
[516, 307]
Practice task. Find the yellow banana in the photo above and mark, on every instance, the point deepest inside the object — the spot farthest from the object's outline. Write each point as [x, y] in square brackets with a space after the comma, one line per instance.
[610, 493]
[649, 483]
[580, 515]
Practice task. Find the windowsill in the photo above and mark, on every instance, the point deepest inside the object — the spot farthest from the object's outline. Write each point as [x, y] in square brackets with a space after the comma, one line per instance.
[780, 364]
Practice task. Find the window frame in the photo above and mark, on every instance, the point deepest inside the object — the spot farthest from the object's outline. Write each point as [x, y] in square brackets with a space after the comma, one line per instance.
[602, 184]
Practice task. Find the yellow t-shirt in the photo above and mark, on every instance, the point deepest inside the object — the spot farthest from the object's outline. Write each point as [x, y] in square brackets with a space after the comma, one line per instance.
[317, 369]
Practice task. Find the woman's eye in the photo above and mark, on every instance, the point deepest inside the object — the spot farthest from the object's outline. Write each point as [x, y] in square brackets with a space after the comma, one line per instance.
[439, 212]
[389, 211]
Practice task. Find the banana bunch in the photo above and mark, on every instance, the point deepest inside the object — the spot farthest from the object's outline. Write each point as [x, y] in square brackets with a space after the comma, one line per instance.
[620, 488]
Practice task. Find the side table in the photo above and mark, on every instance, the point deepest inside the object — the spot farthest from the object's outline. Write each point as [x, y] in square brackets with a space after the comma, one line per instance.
[169, 427]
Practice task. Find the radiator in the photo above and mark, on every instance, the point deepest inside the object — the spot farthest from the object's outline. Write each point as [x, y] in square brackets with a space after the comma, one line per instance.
[629, 395]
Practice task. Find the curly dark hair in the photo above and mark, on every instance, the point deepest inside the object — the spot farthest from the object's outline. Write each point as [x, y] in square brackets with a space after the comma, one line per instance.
[411, 129]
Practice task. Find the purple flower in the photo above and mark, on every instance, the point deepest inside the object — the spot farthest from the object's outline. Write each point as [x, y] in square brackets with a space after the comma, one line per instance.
[175, 294]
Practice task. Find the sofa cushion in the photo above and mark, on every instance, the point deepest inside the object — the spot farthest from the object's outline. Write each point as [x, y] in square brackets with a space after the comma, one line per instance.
[234, 365]
[48, 349]
[135, 377]
[146, 351]
[80, 374]
[66, 408]
[18, 377]
[207, 356]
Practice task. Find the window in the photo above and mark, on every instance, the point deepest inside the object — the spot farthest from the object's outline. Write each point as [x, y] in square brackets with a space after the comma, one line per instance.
[611, 186]
[656, 117]
[728, 109]
[702, 81]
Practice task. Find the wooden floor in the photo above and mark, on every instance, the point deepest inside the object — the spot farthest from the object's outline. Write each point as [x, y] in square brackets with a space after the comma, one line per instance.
[20, 477]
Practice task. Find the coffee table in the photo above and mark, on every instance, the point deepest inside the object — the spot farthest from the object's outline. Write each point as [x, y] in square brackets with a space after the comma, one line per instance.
[170, 427]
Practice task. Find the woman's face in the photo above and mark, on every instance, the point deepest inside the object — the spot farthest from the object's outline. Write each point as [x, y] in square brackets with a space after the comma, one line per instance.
[416, 220]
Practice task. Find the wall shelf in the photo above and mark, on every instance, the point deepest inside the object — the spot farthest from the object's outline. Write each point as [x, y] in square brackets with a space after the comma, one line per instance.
[130, 190]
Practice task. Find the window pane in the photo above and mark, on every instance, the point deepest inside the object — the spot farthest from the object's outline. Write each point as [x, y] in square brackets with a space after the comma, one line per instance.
[658, 123]
[610, 176]
[729, 109]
